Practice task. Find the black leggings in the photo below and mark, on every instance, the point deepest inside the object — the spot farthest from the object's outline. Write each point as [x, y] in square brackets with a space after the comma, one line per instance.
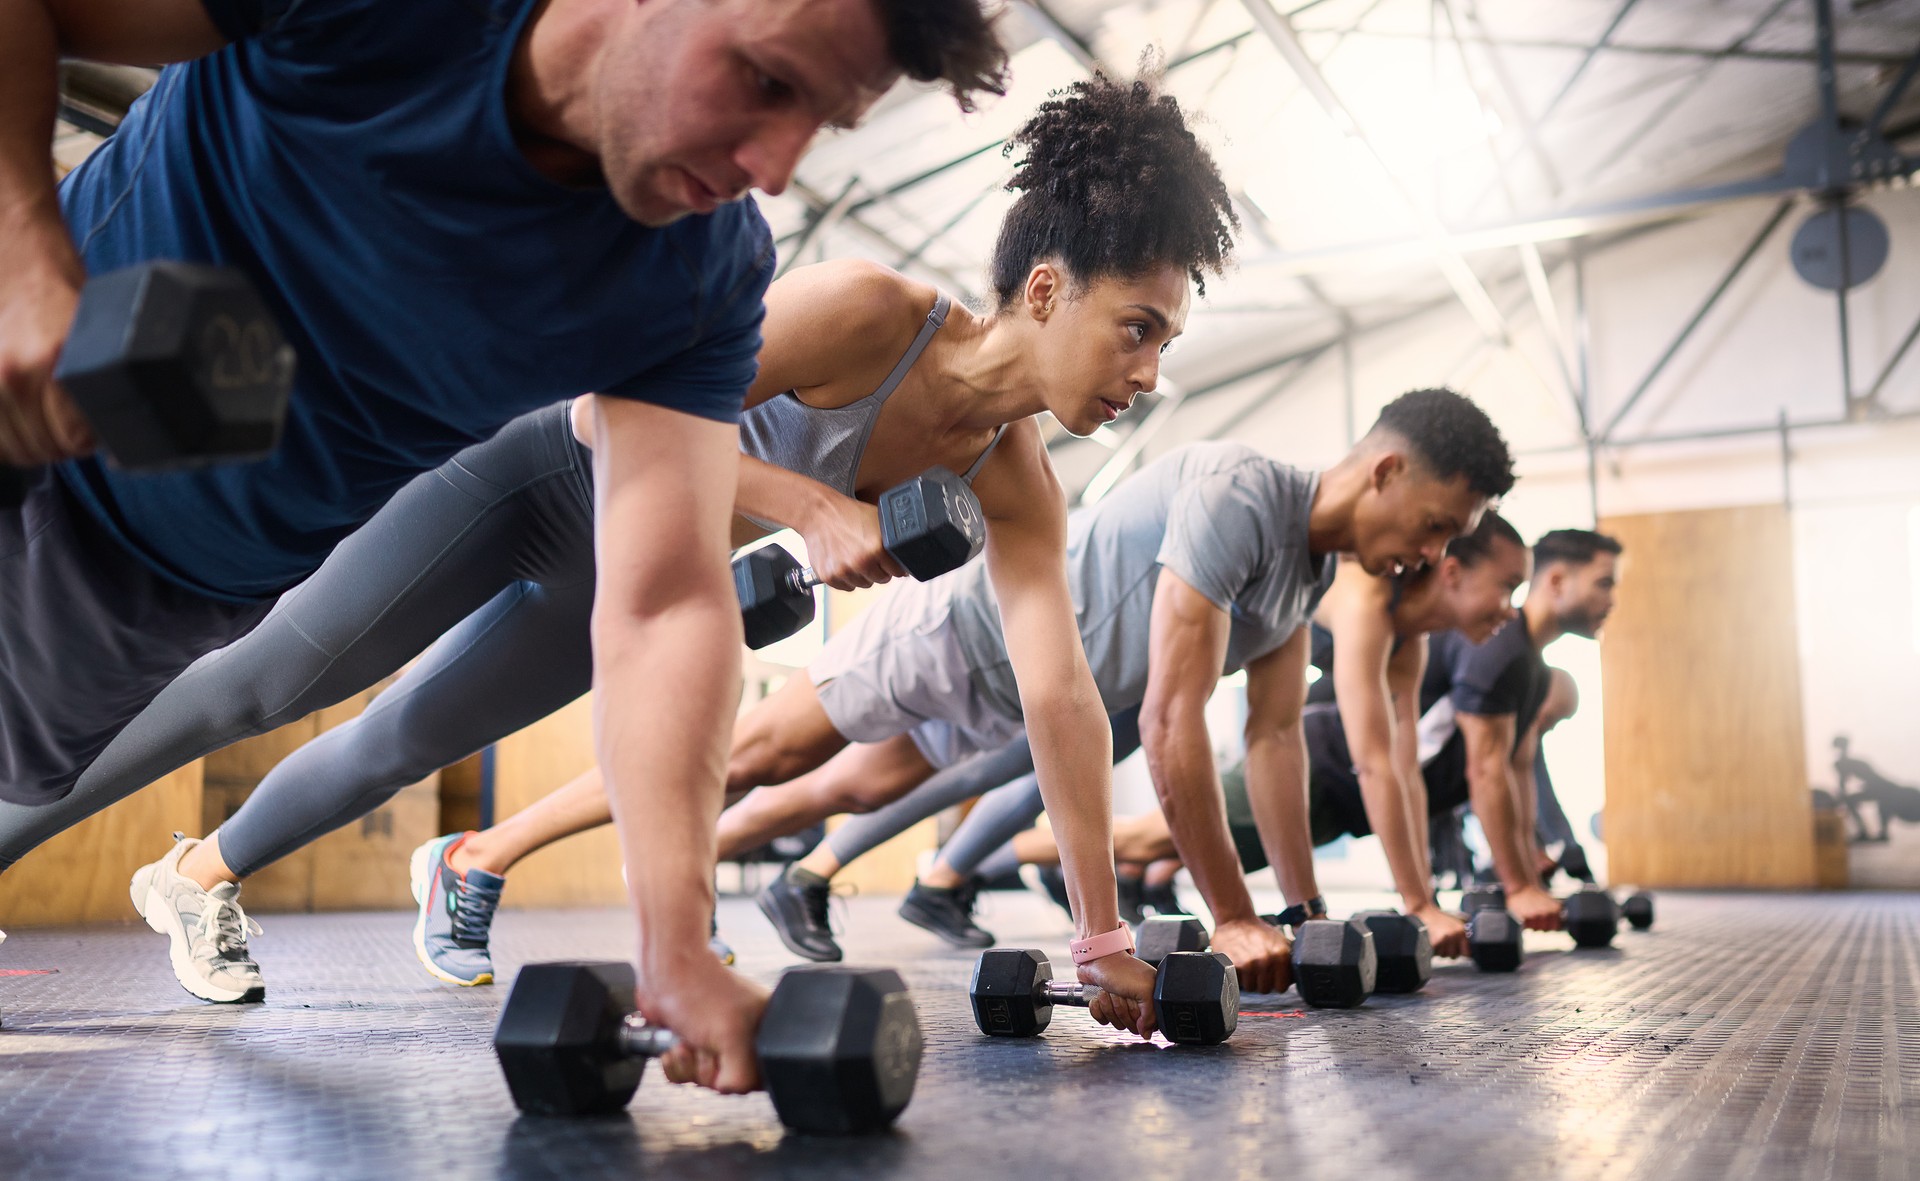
[491, 554]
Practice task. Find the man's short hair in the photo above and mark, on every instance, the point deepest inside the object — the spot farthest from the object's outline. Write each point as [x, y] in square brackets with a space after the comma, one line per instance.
[1575, 547]
[950, 41]
[1452, 437]
[1473, 548]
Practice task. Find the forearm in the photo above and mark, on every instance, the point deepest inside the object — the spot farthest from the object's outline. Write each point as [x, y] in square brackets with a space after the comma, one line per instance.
[1277, 791]
[1490, 788]
[1527, 807]
[1073, 756]
[1385, 794]
[33, 238]
[1180, 759]
[773, 493]
[664, 756]
[1419, 826]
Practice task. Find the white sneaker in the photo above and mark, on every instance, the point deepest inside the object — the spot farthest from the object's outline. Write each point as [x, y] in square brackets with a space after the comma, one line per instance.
[206, 929]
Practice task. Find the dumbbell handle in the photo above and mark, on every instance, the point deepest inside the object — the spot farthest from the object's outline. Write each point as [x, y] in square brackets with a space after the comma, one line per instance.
[1060, 992]
[640, 1040]
[804, 580]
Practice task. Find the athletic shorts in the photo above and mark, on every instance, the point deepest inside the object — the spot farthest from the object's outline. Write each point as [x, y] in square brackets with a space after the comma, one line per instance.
[899, 669]
[88, 636]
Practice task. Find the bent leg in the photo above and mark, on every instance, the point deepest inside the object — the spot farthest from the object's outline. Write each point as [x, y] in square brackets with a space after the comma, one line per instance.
[953, 785]
[521, 657]
[858, 779]
[443, 546]
[580, 806]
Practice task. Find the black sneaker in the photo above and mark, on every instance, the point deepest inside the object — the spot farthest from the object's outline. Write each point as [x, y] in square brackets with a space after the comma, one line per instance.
[947, 913]
[797, 908]
[1161, 899]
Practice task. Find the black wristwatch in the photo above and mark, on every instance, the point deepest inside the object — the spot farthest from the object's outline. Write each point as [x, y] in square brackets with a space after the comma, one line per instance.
[1313, 908]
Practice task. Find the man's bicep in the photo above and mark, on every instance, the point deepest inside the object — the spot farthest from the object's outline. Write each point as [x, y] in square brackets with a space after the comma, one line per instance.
[1489, 737]
[1277, 686]
[152, 32]
[1186, 647]
[664, 485]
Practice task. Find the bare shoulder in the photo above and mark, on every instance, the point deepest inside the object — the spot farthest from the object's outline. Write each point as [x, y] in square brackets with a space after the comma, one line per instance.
[852, 302]
[1018, 480]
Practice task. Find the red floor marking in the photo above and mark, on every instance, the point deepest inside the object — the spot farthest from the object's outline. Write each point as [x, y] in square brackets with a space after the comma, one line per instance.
[28, 971]
[1300, 1013]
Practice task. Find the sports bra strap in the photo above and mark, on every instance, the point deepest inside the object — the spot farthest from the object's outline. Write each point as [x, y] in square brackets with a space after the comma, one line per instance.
[971, 472]
[935, 319]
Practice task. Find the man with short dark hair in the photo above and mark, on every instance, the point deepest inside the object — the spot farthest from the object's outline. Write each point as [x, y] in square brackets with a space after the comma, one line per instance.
[1496, 690]
[459, 213]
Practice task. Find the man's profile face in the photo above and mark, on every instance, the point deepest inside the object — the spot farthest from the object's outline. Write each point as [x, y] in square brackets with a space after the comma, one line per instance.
[698, 101]
[1407, 516]
[1585, 595]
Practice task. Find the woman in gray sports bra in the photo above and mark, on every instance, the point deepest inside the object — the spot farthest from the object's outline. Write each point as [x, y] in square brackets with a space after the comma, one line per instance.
[866, 379]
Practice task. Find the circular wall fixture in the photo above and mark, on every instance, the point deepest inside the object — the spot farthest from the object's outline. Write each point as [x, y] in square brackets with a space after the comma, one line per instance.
[1816, 246]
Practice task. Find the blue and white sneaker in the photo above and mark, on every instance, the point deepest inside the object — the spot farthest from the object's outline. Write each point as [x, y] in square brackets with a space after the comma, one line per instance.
[456, 914]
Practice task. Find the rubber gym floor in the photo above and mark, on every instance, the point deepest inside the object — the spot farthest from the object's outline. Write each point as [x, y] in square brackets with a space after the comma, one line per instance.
[1744, 1036]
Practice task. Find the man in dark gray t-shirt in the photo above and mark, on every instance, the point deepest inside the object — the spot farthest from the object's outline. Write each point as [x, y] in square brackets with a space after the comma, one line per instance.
[1206, 562]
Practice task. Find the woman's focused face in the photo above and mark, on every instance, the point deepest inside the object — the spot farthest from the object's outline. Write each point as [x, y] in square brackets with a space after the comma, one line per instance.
[1099, 346]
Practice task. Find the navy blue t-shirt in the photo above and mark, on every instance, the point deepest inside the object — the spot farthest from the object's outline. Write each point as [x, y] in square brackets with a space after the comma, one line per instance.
[1505, 675]
[355, 158]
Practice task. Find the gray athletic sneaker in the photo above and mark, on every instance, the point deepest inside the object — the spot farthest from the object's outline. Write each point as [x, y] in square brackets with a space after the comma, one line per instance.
[206, 929]
[455, 920]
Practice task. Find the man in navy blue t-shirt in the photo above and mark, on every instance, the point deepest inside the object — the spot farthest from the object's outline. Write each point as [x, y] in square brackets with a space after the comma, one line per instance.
[1496, 690]
[459, 211]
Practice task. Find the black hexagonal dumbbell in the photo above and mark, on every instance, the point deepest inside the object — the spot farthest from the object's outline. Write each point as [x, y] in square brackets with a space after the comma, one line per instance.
[1638, 909]
[1590, 916]
[1493, 940]
[1335, 964]
[1402, 946]
[1482, 898]
[1160, 936]
[931, 525]
[1196, 995]
[839, 1047]
[173, 364]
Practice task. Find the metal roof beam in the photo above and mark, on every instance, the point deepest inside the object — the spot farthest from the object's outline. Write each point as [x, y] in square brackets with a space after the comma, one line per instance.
[1686, 333]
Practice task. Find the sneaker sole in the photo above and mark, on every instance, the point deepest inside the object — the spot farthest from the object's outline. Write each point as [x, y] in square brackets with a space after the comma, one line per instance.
[148, 904]
[780, 929]
[417, 871]
[945, 936]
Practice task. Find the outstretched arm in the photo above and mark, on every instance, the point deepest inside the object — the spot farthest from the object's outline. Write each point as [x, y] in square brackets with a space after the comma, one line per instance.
[1357, 613]
[1277, 764]
[1186, 651]
[666, 682]
[1072, 743]
[1495, 792]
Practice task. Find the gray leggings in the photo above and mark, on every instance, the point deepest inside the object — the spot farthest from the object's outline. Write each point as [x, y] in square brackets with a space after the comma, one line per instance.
[491, 555]
[1010, 802]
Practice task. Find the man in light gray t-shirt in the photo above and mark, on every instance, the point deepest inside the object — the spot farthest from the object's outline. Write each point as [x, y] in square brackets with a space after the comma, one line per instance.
[1204, 563]
[930, 659]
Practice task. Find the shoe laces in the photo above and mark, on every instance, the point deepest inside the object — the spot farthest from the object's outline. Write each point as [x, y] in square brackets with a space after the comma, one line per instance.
[821, 911]
[224, 926]
[966, 896]
[472, 918]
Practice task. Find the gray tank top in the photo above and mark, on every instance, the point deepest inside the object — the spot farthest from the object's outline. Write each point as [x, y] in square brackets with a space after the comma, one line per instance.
[827, 444]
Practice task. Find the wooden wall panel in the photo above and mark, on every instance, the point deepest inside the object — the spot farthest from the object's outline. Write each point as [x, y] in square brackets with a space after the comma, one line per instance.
[81, 875]
[1706, 763]
[582, 870]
